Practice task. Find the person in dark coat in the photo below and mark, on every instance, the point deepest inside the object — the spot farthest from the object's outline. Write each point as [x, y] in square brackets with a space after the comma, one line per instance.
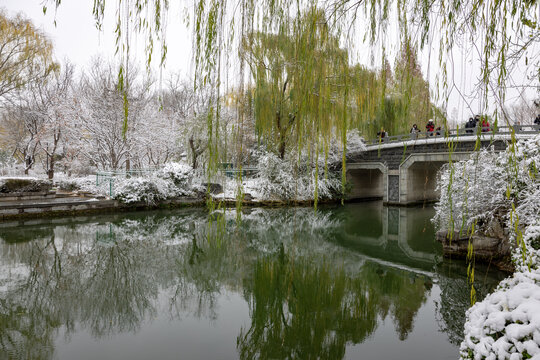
[470, 125]
[414, 131]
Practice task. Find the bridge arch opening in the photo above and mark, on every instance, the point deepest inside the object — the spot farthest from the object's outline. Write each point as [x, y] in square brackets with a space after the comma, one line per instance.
[418, 176]
[366, 182]
[422, 181]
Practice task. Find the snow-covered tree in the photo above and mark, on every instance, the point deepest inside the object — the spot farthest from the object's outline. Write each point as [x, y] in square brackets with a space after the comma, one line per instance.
[98, 125]
[51, 101]
[24, 127]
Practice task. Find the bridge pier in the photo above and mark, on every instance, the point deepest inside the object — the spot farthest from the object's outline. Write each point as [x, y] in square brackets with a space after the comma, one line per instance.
[412, 181]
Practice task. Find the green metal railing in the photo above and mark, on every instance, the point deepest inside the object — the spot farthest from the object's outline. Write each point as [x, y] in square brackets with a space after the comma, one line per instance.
[231, 172]
[108, 177]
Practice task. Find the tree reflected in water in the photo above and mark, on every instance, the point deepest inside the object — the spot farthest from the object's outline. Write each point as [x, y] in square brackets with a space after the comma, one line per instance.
[301, 309]
[308, 295]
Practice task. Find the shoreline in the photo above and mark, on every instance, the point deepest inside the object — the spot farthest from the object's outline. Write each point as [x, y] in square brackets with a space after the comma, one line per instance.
[36, 209]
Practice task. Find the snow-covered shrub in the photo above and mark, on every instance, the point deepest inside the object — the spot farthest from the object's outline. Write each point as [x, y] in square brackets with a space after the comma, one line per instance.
[74, 183]
[471, 191]
[506, 324]
[86, 184]
[7, 162]
[527, 257]
[23, 184]
[295, 180]
[142, 189]
[489, 183]
[173, 180]
[181, 175]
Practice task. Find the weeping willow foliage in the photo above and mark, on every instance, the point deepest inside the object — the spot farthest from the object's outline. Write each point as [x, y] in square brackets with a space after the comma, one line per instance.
[304, 87]
[502, 31]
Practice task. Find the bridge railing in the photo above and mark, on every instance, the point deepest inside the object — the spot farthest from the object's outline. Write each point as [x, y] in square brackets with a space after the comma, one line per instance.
[460, 132]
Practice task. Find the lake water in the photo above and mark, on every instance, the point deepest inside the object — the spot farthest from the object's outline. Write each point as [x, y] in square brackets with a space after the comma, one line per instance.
[360, 281]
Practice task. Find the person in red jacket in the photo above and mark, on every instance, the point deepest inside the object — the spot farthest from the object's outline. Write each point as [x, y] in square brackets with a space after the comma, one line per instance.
[430, 126]
[485, 125]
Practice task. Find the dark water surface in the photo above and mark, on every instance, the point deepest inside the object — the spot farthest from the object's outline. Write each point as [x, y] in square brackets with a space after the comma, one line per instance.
[361, 281]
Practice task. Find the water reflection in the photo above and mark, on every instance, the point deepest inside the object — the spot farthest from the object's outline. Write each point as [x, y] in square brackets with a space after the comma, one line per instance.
[305, 310]
[397, 234]
[314, 282]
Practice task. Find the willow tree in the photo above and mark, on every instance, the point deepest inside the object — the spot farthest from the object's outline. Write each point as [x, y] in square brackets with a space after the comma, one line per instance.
[25, 54]
[298, 73]
[504, 33]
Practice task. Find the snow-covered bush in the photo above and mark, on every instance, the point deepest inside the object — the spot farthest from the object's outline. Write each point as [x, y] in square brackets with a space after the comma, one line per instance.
[180, 174]
[475, 190]
[290, 179]
[142, 189]
[23, 184]
[471, 191]
[173, 180]
[86, 184]
[506, 324]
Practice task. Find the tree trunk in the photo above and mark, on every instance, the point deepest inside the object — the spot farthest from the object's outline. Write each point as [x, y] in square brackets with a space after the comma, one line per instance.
[50, 172]
[193, 152]
[282, 147]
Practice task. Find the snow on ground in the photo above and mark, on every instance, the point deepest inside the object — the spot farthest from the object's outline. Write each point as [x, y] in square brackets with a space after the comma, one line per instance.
[19, 178]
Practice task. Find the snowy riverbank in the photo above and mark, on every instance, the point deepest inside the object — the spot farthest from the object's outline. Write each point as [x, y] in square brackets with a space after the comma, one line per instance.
[500, 193]
[506, 324]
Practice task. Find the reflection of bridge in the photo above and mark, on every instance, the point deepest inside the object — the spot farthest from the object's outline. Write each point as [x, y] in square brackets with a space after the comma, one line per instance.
[402, 170]
[397, 234]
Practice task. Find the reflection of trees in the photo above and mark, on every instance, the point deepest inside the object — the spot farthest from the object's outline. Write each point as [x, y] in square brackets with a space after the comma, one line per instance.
[23, 335]
[209, 262]
[31, 311]
[308, 297]
[106, 286]
[302, 309]
[118, 288]
[456, 295]
[401, 293]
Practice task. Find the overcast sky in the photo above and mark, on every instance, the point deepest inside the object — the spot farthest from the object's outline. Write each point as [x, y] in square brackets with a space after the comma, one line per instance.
[75, 37]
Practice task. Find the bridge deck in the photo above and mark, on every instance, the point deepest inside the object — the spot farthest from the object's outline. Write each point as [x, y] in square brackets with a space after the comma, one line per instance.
[521, 131]
[444, 140]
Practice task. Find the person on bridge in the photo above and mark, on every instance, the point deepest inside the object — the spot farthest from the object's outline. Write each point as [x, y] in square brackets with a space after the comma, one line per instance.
[382, 134]
[414, 131]
[430, 127]
[471, 124]
[485, 124]
[537, 120]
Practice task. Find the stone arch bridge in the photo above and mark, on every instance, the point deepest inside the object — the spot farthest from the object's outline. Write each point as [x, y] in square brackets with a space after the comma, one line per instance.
[402, 170]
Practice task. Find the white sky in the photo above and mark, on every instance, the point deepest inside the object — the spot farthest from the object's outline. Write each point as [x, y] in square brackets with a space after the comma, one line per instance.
[75, 37]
